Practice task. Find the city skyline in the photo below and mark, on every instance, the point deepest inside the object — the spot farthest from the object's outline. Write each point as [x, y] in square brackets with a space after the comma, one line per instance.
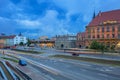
[35, 18]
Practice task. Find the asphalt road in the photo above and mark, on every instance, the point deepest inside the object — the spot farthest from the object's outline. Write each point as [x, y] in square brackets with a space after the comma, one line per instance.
[75, 70]
[98, 56]
[53, 51]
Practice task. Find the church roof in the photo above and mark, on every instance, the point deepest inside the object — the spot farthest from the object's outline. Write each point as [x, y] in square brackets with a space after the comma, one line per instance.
[102, 17]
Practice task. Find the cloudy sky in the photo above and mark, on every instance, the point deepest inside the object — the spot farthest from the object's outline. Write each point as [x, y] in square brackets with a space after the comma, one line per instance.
[50, 17]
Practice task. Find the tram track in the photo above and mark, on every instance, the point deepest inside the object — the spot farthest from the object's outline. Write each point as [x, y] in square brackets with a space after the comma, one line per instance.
[10, 72]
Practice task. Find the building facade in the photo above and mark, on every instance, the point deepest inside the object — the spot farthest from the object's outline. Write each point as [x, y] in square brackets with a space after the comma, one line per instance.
[104, 28]
[20, 38]
[43, 38]
[80, 42]
[65, 41]
[2, 43]
[10, 40]
[47, 44]
[6, 41]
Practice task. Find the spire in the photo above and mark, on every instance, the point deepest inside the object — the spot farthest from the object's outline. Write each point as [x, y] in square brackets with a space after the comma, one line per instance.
[100, 13]
[94, 15]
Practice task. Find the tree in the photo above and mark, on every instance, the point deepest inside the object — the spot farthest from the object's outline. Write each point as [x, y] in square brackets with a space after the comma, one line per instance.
[102, 47]
[28, 42]
[97, 46]
[94, 45]
[113, 48]
[21, 44]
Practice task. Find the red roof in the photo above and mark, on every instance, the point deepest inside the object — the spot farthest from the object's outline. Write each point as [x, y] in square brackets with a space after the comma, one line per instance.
[7, 37]
[113, 15]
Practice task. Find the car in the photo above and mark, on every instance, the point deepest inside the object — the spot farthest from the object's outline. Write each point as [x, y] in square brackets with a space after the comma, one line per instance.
[22, 62]
[75, 54]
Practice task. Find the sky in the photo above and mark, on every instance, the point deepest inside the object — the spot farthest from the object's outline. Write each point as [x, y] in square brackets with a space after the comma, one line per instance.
[34, 18]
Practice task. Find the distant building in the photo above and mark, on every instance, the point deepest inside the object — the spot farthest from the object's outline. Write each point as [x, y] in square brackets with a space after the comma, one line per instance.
[65, 41]
[43, 38]
[104, 28]
[44, 43]
[2, 42]
[20, 38]
[10, 40]
[47, 44]
[6, 41]
[80, 42]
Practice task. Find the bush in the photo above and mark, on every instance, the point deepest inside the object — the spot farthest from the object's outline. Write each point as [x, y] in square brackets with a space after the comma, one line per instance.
[94, 45]
[98, 46]
[21, 44]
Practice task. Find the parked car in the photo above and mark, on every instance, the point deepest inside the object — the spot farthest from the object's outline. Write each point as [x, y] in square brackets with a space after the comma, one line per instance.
[22, 62]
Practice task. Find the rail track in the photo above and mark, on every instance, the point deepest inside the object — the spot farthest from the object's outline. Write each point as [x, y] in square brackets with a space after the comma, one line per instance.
[8, 72]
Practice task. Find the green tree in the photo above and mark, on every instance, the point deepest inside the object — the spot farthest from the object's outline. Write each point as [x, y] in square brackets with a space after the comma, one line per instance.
[28, 42]
[21, 44]
[102, 47]
[94, 45]
[113, 48]
[98, 46]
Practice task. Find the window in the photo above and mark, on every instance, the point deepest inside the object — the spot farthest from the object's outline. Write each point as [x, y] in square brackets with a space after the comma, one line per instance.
[113, 29]
[102, 35]
[108, 29]
[113, 35]
[93, 30]
[119, 28]
[88, 30]
[119, 36]
[93, 36]
[98, 36]
[108, 35]
[98, 29]
[102, 29]
[88, 36]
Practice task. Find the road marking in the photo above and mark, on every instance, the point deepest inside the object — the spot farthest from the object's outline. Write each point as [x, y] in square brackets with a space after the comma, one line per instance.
[83, 64]
[102, 74]
[104, 69]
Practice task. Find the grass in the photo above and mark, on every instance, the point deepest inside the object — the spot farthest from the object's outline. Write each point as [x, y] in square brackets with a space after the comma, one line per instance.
[25, 51]
[100, 61]
[14, 60]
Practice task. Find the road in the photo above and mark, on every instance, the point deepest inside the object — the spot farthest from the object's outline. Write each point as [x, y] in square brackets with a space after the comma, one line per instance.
[98, 56]
[53, 52]
[73, 70]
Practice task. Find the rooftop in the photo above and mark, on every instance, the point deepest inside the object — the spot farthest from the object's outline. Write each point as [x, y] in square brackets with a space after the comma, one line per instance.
[7, 37]
[113, 16]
